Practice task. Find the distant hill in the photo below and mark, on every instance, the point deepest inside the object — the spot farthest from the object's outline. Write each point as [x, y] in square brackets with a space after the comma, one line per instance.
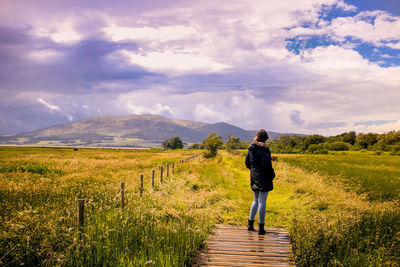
[127, 131]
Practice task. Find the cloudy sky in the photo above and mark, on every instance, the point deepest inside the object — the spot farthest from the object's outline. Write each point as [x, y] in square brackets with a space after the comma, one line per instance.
[310, 66]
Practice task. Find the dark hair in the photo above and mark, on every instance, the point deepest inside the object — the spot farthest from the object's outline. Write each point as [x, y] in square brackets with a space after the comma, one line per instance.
[262, 135]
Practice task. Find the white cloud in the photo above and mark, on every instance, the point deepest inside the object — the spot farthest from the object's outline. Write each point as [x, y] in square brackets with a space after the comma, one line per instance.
[65, 34]
[204, 112]
[373, 27]
[45, 55]
[233, 106]
[49, 106]
[374, 128]
[172, 63]
[58, 31]
[158, 34]
[394, 45]
[158, 109]
[344, 6]
[53, 108]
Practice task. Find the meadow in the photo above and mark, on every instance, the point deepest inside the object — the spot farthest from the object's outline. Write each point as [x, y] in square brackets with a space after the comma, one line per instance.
[334, 217]
[377, 175]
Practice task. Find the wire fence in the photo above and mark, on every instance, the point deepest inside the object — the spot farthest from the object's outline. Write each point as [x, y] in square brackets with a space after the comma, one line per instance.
[168, 168]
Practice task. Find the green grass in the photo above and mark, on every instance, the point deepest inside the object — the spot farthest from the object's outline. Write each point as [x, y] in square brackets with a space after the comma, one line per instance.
[38, 192]
[332, 218]
[376, 176]
[329, 223]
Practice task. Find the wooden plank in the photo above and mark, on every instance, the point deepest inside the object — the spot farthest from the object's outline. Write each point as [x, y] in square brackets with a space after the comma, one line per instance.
[250, 246]
[246, 264]
[240, 250]
[246, 260]
[245, 253]
[244, 242]
[243, 229]
[267, 257]
[255, 246]
[250, 236]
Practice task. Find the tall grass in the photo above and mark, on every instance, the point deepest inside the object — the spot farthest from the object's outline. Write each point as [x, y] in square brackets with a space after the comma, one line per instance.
[341, 227]
[334, 217]
[38, 216]
[376, 176]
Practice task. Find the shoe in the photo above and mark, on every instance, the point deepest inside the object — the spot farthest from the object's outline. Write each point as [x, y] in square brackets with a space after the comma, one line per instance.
[250, 226]
[261, 230]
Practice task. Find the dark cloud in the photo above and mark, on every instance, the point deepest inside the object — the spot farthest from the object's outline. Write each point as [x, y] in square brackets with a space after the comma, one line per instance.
[76, 69]
[296, 119]
[10, 36]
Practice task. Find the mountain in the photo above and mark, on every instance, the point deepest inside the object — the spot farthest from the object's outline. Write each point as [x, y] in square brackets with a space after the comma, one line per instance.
[131, 131]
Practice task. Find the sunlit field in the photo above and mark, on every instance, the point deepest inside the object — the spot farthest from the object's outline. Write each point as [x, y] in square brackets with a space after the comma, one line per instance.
[354, 213]
[378, 176]
[334, 218]
[38, 193]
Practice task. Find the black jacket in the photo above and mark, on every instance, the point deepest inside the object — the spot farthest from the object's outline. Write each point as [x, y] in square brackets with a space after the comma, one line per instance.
[258, 160]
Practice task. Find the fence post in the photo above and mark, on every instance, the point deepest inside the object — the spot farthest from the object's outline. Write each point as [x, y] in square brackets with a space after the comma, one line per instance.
[122, 196]
[141, 184]
[173, 168]
[152, 178]
[81, 217]
[167, 170]
[161, 174]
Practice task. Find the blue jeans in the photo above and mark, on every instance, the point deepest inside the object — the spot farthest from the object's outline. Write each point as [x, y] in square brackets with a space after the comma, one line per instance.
[259, 202]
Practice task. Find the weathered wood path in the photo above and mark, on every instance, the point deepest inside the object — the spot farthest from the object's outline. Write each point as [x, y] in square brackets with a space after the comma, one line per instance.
[235, 246]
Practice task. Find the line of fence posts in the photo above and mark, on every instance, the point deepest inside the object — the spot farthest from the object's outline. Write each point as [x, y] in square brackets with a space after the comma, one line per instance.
[81, 202]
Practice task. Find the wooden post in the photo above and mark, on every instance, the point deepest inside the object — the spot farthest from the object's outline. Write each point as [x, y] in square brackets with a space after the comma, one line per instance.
[141, 184]
[167, 170]
[152, 178]
[173, 168]
[161, 174]
[81, 217]
[122, 196]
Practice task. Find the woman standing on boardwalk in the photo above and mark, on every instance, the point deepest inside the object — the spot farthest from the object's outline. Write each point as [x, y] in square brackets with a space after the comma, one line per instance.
[258, 160]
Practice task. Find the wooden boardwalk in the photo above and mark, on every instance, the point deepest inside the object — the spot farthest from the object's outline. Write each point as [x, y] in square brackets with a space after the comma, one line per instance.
[235, 246]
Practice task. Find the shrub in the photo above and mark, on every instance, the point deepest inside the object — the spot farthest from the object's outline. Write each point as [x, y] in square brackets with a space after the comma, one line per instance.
[212, 143]
[395, 150]
[173, 143]
[338, 146]
[196, 146]
[316, 148]
[321, 151]
[235, 143]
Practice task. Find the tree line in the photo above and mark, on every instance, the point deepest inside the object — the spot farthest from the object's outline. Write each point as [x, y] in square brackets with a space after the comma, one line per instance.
[211, 144]
[318, 144]
[315, 144]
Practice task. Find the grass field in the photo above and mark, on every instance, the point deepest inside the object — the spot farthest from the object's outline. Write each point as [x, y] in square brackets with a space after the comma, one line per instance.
[378, 176]
[333, 217]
